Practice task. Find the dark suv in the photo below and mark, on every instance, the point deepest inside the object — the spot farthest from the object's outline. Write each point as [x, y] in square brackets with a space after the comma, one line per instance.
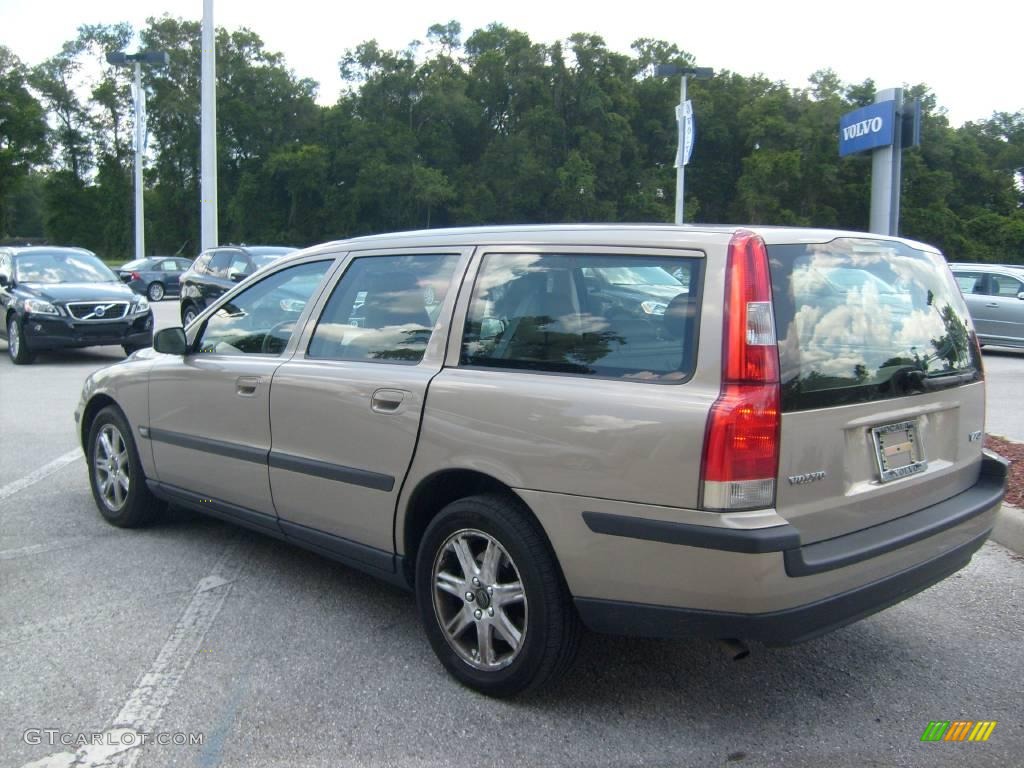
[217, 270]
[60, 298]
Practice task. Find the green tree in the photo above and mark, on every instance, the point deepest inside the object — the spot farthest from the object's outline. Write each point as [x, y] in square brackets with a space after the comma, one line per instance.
[23, 136]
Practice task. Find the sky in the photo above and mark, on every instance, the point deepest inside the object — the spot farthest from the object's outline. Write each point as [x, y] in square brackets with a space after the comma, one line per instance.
[968, 54]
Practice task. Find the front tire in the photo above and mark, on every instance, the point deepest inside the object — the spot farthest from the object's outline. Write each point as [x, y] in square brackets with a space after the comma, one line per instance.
[188, 314]
[115, 473]
[155, 291]
[492, 599]
[16, 346]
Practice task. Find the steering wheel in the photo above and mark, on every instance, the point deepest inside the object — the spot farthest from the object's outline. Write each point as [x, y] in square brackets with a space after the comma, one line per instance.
[270, 340]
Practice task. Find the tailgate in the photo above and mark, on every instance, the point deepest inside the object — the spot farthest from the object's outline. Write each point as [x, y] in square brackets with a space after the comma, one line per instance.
[882, 395]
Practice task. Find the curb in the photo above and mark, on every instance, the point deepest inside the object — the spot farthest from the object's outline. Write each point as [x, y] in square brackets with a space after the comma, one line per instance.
[1009, 530]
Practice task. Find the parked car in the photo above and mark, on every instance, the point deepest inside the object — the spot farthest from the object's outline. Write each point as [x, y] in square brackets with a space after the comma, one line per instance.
[217, 270]
[155, 277]
[58, 298]
[455, 412]
[995, 299]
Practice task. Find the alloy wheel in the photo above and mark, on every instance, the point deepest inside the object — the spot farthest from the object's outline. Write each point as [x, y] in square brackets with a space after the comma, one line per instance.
[111, 467]
[479, 599]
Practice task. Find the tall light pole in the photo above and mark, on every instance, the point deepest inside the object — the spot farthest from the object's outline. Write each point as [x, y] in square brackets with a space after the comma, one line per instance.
[684, 116]
[208, 127]
[122, 59]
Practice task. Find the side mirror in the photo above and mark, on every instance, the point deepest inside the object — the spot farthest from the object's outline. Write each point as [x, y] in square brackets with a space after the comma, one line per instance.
[236, 277]
[4, 281]
[1019, 295]
[171, 341]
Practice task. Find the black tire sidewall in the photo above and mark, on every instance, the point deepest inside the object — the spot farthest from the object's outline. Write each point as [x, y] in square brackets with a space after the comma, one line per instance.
[139, 507]
[474, 513]
[14, 329]
[185, 320]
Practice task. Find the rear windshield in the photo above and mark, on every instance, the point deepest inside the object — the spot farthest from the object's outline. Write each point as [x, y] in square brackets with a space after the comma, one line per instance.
[863, 320]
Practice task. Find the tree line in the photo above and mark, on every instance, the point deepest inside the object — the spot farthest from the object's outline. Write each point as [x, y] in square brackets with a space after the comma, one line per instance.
[494, 128]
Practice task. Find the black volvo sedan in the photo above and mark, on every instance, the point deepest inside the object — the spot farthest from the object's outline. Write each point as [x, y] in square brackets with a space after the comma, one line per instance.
[55, 298]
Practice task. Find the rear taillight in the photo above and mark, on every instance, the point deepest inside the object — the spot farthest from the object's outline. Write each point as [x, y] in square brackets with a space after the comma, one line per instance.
[741, 442]
[136, 276]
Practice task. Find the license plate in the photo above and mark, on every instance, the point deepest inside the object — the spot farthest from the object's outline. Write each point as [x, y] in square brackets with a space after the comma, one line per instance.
[898, 450]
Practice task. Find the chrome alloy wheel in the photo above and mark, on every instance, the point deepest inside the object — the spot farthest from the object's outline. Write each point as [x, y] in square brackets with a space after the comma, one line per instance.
[479, 600]
[111, 467]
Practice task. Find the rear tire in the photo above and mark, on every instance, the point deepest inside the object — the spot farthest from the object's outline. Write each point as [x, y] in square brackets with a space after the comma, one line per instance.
[519, 631]
[155, 291]
[115, 473]
[16, 346]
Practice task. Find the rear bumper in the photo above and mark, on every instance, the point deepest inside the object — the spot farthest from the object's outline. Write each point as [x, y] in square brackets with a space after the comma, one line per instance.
[652, 576]
[785, 627]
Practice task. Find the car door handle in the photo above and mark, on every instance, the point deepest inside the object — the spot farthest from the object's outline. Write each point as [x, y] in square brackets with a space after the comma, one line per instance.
[388, 400]
[992, 304]
[247, 385]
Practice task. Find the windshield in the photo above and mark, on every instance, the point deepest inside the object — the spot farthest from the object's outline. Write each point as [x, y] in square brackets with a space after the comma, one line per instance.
[61, 267]
[862, 320]
[636, 276]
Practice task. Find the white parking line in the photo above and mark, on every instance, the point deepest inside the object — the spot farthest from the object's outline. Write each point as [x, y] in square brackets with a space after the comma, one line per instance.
[119, 745]
[43, 472]
[38, 549]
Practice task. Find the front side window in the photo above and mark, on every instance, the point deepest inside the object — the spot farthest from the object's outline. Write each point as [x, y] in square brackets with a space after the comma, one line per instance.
[240, 266]
[970, 282]
[384, 309]
[865, 320]
[261, 319]
[217, 265]
[627, 317]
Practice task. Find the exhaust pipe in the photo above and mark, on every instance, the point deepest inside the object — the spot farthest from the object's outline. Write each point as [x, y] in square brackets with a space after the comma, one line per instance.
[734, 649]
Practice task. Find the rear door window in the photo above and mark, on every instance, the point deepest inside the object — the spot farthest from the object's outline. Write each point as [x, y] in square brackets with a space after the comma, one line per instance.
[1006, 286]
[384, 309]
[863, 320]
[625, 317]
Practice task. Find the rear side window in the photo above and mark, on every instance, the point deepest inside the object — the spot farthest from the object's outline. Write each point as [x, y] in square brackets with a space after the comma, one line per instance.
[624, 317]
[862, 320]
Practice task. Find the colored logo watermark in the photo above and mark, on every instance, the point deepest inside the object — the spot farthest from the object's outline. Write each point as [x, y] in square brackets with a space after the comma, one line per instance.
[958, 730]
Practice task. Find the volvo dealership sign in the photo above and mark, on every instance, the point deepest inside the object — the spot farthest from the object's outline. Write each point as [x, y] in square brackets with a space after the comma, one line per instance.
[867, 128]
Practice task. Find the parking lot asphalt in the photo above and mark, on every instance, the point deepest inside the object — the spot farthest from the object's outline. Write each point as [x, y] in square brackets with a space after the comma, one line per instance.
[278, 657]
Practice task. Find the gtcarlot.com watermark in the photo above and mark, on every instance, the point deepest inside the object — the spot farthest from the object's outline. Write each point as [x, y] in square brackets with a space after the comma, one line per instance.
[54, 737]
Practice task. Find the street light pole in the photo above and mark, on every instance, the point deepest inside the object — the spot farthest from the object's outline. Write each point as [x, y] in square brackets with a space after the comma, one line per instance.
[140, 226]
[684, 117]
[208, 237]
[681, 170]
[122, 59]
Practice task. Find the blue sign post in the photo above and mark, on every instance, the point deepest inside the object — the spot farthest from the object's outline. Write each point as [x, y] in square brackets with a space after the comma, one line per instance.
[867, 128]
[878, 128]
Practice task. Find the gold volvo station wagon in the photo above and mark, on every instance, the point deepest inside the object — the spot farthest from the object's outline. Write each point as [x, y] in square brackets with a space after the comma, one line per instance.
[668, 431]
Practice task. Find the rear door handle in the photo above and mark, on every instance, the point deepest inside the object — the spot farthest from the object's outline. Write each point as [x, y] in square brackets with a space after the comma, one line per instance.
[388, 400]
[247, 385]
